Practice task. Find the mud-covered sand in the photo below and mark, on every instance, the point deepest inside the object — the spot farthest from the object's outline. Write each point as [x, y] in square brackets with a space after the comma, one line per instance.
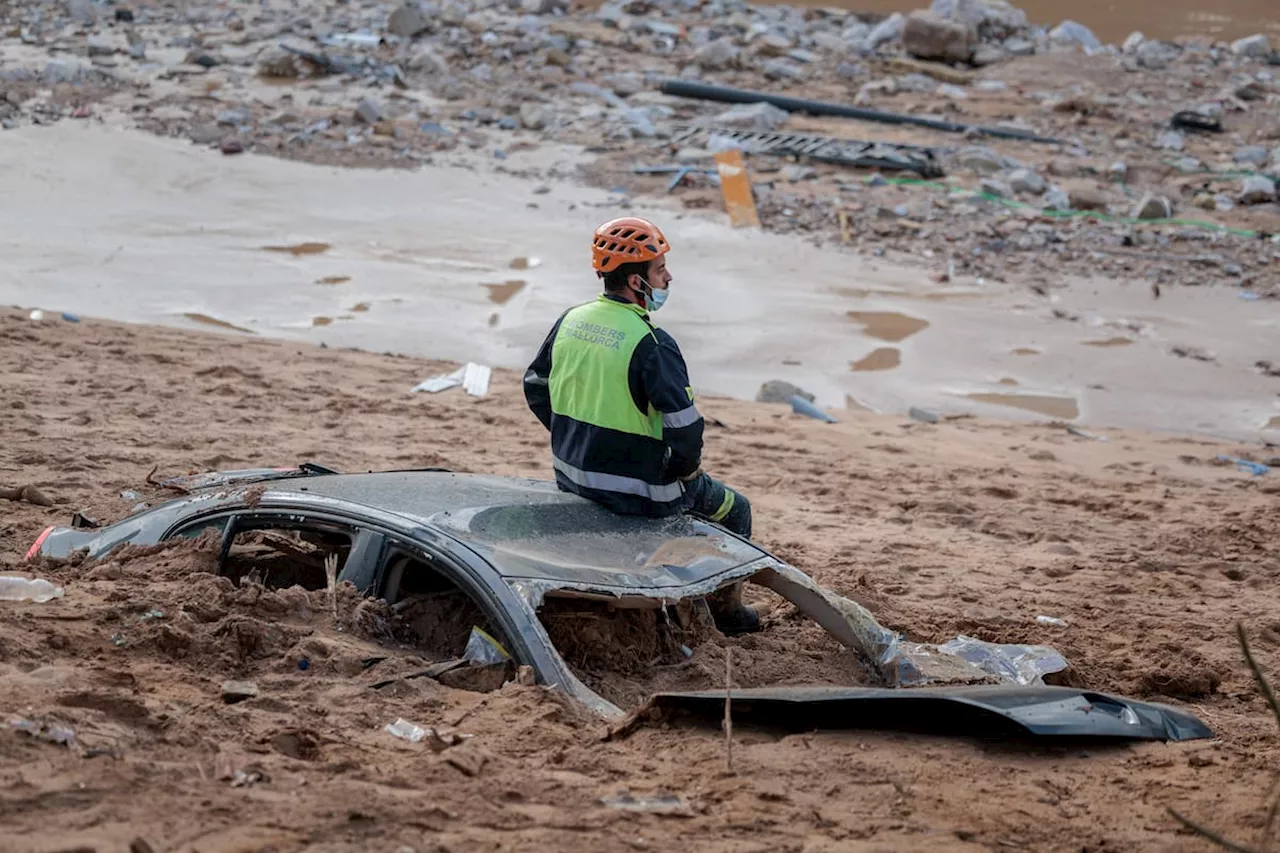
[1143, 544]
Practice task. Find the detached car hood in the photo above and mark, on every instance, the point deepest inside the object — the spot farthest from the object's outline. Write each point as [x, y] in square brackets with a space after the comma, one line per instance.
[982, 711]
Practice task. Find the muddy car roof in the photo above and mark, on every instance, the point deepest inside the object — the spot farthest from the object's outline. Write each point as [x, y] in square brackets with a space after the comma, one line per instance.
[530, 529]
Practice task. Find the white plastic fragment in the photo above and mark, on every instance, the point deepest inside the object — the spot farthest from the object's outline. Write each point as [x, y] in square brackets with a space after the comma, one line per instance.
[474, 378]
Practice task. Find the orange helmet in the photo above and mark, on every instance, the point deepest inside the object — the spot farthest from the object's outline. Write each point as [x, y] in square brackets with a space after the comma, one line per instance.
[629, 240]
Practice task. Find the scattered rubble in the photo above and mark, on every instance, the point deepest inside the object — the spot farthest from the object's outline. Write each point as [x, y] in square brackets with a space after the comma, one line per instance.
[409, 82]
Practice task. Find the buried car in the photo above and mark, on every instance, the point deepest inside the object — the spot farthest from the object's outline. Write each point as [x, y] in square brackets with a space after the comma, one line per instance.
[537, 572]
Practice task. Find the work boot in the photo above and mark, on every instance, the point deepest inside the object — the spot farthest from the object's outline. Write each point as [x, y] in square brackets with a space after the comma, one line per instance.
[730, 614]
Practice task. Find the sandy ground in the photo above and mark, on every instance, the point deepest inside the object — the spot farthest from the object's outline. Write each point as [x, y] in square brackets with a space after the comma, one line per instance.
[127, 226]
[1146, 547]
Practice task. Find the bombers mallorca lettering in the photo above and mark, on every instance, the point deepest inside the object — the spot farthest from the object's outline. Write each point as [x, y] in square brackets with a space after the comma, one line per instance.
[594, 333]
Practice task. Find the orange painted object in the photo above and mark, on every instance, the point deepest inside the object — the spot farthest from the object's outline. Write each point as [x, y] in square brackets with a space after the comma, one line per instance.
[735, 186]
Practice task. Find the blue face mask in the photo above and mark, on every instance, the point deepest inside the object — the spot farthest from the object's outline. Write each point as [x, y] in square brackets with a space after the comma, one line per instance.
[653, 298]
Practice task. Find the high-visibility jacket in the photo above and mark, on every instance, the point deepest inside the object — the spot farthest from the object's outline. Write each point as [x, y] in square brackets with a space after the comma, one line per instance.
[614, 391]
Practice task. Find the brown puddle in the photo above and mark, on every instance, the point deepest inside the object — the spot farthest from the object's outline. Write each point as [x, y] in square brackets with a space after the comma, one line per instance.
[888, 325]
[1064, 408]
[1109, 342]
[333, 279]
[360, 307]
[214, 321]
[502, 293]
[321, 321]
[1274, 423]
[884, 358]
[931, 296]
[299, 249]
[1026, 351]
[523, 263]
[1008, 380]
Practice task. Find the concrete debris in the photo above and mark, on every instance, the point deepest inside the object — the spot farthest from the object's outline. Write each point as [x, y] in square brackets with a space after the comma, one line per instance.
[1257, 189]
[1153, 207]
[979, 159]
[1252, 47]
[368, 111]
[780, 391]
[1026, 182]
[535, 116]
[1072, 33]
[1171, 140]
[718, 55]
[1251, 155]
[887, 31]
[999, 189]
[1056, 199]
[929, 36]
[1086, 198]
[1133, 42]
[408, 21]
[759, 116]
[993, 20]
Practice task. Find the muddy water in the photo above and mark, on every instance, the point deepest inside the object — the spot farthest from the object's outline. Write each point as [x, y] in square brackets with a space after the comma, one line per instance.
[1113, 20]
[173, 234]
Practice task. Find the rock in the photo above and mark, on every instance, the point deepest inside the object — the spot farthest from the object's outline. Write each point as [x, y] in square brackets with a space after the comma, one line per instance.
[368, 111]
[1234, 270]
[535, 116]
[718, 55]
[1087, 198]
[427, 59]
[1252, 155]
[82, 11]
[508, 123]
[231, 145]
[408, 21]
[979, 159]
[542, 7]
[207, 134]
[999, 189]
[774, 44]
[796, 172]
[929, 36]
[779, 391]
[1154, 55]
[1170, 140]
[1118, 170]
[993, 86]
[101, 46]
[624, 84]
[1153, 207]
[1019, 47]
[888, 30]
[1251, 92]
[1133, 42]
[1071, 33]
[1026, 182]
[238, 691]
[1210, 109]
[829, 41]
[757, 116]
[235, 117]
[1252, 47]
[992, 19]
[989, 54]
[1056, 199]
[782, 69]
[1205, 201]
[849, 71]
[1257, 189]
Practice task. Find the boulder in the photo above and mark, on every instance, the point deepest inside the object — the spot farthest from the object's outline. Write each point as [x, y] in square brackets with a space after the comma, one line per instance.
[1026, 182]
[1072, 33]
[1257, 189]
[717, 55]
[408, 21]
[1153, 207]
[994, 20]
[929, 36]
[888, 30]
[1252, 47]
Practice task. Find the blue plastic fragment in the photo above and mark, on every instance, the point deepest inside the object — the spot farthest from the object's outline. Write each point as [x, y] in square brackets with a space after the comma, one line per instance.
[70, 318]
[1255, 468]
[801, 406]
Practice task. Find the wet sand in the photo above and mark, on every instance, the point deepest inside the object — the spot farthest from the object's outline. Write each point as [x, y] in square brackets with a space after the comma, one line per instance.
[177, 235]
[1144, 545]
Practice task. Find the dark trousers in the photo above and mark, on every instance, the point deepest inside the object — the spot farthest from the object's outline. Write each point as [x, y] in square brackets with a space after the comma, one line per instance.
[708, 498]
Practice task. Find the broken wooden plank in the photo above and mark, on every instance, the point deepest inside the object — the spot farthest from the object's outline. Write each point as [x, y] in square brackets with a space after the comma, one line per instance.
[735, 186]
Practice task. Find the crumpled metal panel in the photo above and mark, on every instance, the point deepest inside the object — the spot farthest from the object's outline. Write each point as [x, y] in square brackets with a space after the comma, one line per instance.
[985, 711]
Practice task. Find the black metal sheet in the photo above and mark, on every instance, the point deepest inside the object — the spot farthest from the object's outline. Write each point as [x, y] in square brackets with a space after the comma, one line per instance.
[980, 711]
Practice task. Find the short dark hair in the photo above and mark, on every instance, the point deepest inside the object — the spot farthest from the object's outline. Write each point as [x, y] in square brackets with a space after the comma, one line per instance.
[615, 280]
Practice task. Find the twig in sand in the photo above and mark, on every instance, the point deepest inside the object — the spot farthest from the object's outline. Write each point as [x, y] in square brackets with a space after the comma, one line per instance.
[1268, 829]
[728, 714]
[152, 481]
[331, 575]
